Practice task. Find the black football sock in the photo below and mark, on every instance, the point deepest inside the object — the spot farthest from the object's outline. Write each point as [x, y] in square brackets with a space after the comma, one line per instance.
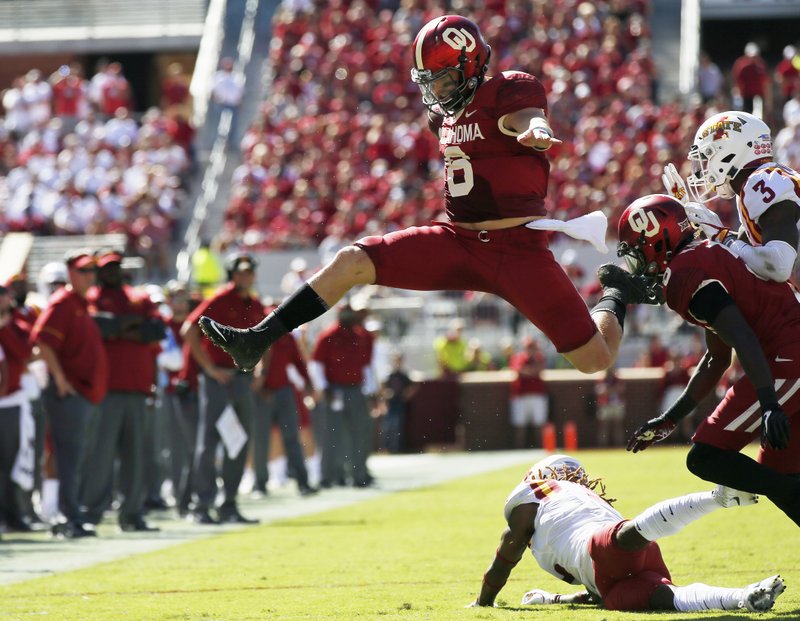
[612, 302]
[738, 471]
[299, 308]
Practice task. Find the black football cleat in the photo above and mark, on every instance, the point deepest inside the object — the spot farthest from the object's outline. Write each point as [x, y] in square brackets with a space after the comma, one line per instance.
[634, 289]
[243, 345]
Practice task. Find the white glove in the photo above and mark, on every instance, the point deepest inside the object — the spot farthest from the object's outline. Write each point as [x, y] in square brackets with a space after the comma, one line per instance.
[674, 183]
[704, 219]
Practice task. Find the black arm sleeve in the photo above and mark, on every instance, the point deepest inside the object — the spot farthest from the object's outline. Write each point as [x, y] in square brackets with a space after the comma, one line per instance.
[707, 303]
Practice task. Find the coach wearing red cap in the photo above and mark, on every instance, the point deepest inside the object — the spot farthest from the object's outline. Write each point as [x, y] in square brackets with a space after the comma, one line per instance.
[68, 340]
[222, 385]
[132, 329]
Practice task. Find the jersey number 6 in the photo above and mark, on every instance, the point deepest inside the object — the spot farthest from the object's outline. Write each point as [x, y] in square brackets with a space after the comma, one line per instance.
[460, 179]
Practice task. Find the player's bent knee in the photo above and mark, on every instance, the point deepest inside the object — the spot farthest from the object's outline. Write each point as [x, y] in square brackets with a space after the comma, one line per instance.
[700, 459]
[355, 262]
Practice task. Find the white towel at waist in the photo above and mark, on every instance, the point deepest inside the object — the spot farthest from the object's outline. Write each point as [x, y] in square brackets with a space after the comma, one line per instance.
[591, 227]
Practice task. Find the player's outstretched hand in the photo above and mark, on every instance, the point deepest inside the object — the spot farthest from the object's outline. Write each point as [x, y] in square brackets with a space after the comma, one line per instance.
[674, 183]
[774, 428]
[654, 430]
[538, 138]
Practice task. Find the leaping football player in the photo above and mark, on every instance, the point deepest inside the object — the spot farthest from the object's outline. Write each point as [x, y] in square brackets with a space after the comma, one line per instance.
[493, 135]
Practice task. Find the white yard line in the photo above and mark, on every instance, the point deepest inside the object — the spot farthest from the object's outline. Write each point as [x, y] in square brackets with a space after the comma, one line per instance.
[28, 556]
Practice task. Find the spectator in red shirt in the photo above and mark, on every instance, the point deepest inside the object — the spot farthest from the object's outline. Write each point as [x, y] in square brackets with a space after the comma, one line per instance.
[17, 462]
[529, 399]
[174, 87]
[751, 78]
[66, 337]
[610, 399]
[115, 91]
[341, 372]
[23, 393]
[787, 72]
[655, 356]
[70, 92]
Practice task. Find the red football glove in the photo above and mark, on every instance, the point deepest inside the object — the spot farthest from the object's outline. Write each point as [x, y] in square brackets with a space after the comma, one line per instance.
[652, 431]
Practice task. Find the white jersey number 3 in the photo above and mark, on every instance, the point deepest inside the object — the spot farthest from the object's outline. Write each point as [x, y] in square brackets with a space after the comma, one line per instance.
[460, 179]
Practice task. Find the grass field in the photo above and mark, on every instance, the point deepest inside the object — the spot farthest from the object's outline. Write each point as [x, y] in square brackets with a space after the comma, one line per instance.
[411, 555]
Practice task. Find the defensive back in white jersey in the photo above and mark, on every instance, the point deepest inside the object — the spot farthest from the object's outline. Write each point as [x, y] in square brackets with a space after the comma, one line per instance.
[568, 515]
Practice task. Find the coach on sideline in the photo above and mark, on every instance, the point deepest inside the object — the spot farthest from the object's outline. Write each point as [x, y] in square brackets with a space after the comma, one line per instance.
[68, 340]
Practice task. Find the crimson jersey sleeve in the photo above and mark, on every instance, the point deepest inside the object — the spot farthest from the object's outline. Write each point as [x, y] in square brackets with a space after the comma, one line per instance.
[518, 91]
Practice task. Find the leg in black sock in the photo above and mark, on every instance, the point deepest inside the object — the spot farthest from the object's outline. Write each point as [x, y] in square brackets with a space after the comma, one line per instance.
[738, 471]
[247, 346]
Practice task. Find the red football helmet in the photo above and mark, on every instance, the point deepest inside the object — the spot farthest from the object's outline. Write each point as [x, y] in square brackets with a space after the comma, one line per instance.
[450, 60]
[651, 230]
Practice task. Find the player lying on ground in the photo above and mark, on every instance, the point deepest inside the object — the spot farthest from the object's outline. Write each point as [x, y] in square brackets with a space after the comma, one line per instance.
[576, 535]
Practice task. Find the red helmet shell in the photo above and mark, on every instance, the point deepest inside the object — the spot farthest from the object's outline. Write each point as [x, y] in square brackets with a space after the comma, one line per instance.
[440, 43]
[651, 229]
[450, 42]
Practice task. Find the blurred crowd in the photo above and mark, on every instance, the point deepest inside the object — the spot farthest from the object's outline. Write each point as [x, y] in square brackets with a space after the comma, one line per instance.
[341, 147]
[75, 159]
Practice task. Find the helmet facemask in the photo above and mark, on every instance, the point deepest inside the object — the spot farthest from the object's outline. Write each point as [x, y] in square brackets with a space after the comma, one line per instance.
[452, 82]
[638, 265]
[712, 172]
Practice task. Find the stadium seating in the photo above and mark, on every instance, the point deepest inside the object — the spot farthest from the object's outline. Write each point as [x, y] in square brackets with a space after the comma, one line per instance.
[341, 143]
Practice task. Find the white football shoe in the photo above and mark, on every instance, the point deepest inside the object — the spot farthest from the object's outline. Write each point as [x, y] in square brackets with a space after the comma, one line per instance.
[761, 596]
[729, 497]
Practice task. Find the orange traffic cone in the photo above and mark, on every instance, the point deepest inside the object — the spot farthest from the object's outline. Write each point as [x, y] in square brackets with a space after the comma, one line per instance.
[549, 437]
[570, 436]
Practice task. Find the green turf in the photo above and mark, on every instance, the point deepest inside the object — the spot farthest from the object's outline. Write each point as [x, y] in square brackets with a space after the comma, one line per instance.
[412, 555]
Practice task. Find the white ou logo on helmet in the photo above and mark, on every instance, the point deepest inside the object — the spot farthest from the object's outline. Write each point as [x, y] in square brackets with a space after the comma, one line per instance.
[645, 222]
[458, 38]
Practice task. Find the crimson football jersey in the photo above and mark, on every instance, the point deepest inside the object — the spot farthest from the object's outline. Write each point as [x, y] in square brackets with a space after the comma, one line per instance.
[488, 174]
[769, 307]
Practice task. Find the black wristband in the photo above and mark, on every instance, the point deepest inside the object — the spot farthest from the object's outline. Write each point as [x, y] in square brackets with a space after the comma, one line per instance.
[681, 408]
[767, 397]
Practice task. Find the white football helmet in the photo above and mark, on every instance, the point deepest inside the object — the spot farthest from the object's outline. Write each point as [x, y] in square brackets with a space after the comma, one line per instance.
[723, 145]
[556, 467]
